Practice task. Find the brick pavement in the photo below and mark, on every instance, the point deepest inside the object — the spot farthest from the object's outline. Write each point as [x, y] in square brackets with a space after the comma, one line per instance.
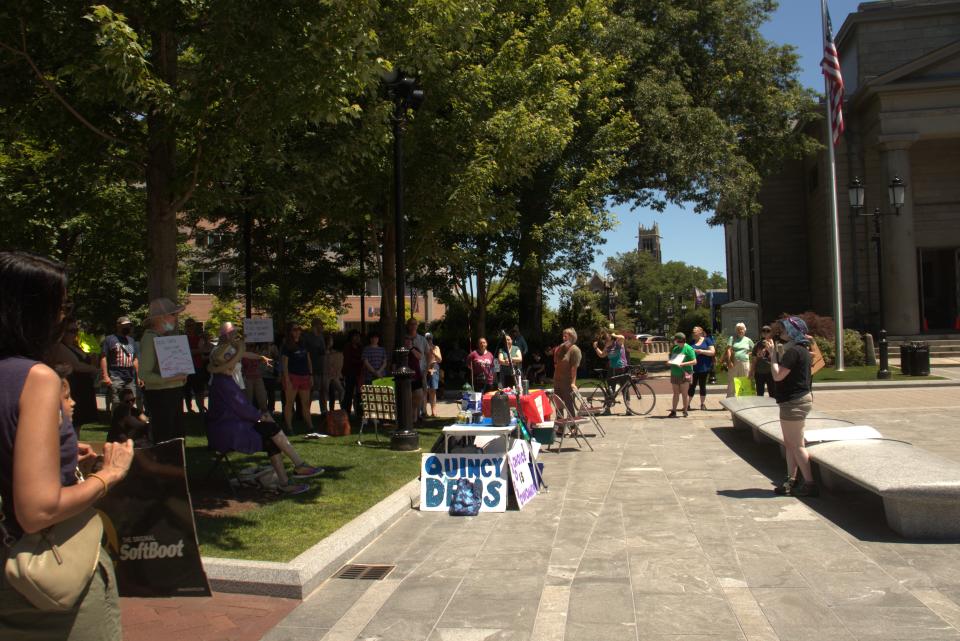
[222, 617]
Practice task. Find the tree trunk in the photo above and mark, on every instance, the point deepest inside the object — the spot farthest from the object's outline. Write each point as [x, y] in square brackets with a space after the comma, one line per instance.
[388, 288]
[480, 311]
[161, 170]
[534, 214]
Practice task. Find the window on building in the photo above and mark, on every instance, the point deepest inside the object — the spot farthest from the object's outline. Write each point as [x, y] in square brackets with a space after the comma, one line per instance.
[209, 282]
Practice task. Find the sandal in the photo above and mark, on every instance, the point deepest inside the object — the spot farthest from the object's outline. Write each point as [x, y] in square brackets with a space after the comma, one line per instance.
[293, 488]
[304, 471]
[786, 488]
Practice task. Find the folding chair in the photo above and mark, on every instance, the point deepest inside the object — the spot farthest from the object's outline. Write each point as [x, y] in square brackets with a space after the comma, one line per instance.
[379, 403]
[584, 413]
[566, 423]
[233, 480]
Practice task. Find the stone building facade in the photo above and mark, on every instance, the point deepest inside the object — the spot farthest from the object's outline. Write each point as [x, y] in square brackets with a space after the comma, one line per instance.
[901, 66]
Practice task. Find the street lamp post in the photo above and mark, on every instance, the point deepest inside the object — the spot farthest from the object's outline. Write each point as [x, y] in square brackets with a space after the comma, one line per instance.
[608, 288]
[896, 192]
[403, 91]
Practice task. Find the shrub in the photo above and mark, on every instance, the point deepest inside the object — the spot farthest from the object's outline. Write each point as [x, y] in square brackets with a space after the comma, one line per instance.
[853, 354]
[823, 326]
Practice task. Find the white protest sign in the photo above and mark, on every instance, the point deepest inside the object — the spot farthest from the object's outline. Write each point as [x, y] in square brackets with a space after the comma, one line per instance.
[524, 485]
[439, 474]
[678, 359]
[173, 354]
[258, 330]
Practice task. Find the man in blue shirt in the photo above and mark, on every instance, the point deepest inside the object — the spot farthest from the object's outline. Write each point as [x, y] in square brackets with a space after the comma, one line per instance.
[119, 365]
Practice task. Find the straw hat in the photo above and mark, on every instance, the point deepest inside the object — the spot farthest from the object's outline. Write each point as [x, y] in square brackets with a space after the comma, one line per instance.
[164, 307]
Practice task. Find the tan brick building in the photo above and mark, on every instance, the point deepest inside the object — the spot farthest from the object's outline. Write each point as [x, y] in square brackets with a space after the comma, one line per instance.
[901, 67]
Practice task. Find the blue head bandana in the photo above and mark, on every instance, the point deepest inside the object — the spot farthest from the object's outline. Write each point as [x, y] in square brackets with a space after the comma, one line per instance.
[796, 329]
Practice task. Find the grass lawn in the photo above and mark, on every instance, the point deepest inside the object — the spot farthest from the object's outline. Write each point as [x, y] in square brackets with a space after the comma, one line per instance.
[850, 374]
[257, 525]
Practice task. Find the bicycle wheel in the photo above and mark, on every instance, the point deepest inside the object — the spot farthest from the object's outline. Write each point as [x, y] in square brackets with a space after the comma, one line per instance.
[593, 398]
[639, 398]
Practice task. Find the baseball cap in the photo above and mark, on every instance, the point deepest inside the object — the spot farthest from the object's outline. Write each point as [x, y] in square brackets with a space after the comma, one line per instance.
[124, 320]
[679, 336]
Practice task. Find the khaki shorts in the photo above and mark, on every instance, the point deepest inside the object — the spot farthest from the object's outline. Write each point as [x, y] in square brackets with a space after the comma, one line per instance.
[797, 409]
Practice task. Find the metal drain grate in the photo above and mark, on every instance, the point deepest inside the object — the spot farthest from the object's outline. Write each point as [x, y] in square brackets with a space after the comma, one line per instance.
[362, 571]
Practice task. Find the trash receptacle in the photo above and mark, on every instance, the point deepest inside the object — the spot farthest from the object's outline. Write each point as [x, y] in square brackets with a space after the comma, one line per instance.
[906, 358]
[920, 360]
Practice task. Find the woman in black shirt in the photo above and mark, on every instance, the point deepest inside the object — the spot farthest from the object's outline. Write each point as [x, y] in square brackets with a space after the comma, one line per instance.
[791, 371]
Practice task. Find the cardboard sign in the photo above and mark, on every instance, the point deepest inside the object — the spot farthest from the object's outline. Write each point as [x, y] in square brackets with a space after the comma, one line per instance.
[439, 474]
[521, 474]
[258, 330]
[149, 527]
[173, 355]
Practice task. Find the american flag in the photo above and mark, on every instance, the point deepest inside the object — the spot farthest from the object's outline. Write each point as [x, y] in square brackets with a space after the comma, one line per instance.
[831, 70]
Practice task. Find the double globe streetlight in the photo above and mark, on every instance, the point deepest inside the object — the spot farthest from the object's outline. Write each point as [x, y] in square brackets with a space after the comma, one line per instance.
[896, 193]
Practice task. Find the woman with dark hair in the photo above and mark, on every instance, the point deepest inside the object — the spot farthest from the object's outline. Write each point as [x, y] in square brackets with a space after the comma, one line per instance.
[791, 371]
[39, 452]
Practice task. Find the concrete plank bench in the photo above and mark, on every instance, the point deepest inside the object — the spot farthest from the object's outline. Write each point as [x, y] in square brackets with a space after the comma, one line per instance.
[920, 490]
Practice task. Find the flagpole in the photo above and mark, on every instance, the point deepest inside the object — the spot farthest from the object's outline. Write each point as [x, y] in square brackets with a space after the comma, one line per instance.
[834, 221]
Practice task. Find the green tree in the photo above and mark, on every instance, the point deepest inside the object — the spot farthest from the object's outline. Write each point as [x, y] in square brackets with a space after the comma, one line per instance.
[171, 91]
[654, 292]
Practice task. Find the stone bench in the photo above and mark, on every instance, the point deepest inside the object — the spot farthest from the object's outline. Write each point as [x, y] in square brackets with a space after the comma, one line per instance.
[920, 490]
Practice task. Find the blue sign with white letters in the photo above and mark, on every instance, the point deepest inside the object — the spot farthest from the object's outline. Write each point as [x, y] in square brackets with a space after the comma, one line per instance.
[439, 474]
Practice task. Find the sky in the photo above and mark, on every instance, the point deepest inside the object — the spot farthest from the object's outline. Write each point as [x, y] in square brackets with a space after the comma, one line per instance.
[796, 22]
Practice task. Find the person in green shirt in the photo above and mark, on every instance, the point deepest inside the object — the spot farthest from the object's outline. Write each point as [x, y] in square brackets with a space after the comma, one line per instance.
[163, 396]
[682, 360]
[737, 357]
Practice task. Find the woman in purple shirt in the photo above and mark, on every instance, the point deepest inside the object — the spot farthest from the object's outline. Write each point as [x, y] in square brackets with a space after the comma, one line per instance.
[39, 452]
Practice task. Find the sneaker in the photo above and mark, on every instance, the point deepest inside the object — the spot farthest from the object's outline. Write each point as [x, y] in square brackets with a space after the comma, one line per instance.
[785, 488]
[672, 414]
[293, 488]
[306, 471]
[686, 413]
[806, 489]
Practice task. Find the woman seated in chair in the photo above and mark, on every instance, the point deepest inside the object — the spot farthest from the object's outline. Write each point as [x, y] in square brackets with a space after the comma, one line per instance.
[234, 424]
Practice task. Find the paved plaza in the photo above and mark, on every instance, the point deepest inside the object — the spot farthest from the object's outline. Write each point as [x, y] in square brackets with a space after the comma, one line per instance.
[668, 531]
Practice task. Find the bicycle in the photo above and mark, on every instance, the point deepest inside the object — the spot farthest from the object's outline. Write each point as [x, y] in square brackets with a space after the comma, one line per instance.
[629, 387]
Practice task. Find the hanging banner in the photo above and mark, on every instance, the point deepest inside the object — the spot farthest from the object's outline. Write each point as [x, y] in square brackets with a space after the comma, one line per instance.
[149, 526]
[439, 474]
[521, 472]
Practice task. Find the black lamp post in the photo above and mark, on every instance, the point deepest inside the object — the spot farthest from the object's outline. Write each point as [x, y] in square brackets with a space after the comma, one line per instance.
[896, 192]
[406, 96]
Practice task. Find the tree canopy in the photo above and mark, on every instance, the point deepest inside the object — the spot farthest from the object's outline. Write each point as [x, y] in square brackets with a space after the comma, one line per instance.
[128, 123]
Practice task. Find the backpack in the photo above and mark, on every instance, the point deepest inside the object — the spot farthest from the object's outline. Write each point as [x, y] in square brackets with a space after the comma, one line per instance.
[466, 498]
